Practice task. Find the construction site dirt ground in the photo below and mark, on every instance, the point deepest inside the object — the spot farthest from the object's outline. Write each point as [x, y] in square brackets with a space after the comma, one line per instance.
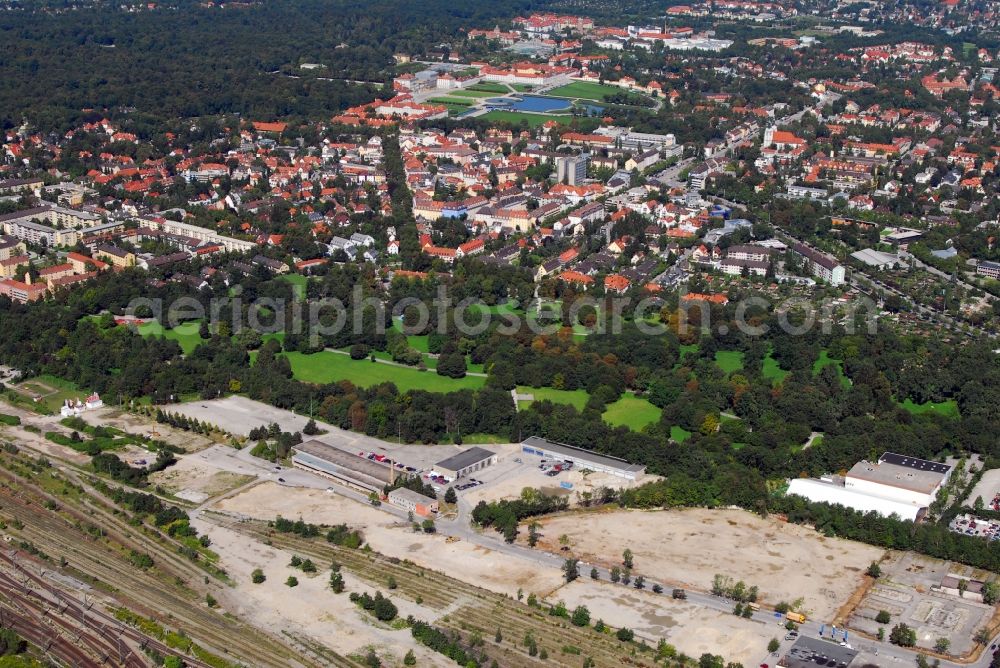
[688, 547]
[909, 591]
[690, 628]
[311, 608]
[20, 435]
[191, 480]
[104, 417]
[388, 535]
[139, 424]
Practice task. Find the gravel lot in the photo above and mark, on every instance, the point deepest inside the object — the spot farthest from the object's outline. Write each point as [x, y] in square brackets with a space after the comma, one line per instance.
[690, 546]
[987, 487]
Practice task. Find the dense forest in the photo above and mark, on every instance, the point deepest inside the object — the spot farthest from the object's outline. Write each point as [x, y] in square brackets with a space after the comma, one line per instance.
[192, 60]
[858, 412]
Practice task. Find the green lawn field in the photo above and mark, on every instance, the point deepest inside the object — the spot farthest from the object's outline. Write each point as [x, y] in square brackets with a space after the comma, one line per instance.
[472, 92]
[679, 434]
[54, 392]
[949, 407]
[186, 334]
[327, 367]
[488, 87]
[496, 309]
[575, 398]
[771, 370]
[632, 412]
[825, 360]
[729, 360]
[585, 90]
[452, 101]
[298, 282]
[416, 342]
[475, 439]
[629, 411]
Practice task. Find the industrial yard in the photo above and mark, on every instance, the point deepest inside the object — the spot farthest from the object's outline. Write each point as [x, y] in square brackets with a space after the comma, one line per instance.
[392, 536]
[922, 593]
[237, 494]
[689, 547]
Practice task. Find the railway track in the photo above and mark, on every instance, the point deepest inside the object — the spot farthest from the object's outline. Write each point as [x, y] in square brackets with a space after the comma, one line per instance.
[103, 633]
[466, 608]
[101, 561]
[57, 526]
[56, 648]
[57, 632]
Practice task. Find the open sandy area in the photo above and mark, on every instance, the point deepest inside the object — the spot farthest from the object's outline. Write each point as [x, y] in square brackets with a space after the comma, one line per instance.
[109, 417]
[508, 479]
[22, 437]
[688, 547]
[138, 424]
[393, 538]
[192, 480]
[690, 628]
[37, 441]
[310, 609]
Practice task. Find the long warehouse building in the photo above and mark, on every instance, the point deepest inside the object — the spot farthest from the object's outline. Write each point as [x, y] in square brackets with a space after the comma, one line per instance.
[585, 459]
[344, 467]
[894, 485]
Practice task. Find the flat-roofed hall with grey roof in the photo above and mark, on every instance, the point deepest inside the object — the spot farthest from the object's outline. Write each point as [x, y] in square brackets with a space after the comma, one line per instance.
[817, 653]
[344, 467]
[539, 446]
[466, 462]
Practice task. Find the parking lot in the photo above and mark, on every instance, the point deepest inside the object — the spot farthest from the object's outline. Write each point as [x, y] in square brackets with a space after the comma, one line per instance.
[909, 591]
[974, 526]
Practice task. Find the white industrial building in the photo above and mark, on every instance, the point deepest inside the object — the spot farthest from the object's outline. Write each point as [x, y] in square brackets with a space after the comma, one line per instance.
[828, 491]
[415, 502]
[894, 485]
[876, 259]
[905, 479]
[344, 467]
